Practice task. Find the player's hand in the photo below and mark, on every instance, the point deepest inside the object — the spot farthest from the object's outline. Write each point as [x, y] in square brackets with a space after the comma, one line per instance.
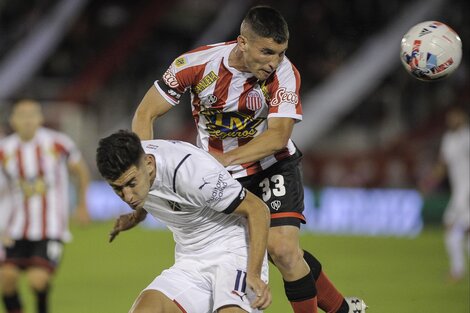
[6, 241]
[220, 157]
[262, 293]
[127, 221]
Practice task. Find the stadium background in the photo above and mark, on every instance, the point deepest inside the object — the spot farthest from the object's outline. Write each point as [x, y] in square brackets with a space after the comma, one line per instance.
[370, 132]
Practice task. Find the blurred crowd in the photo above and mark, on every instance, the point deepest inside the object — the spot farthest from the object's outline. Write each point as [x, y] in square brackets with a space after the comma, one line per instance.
[115, 49]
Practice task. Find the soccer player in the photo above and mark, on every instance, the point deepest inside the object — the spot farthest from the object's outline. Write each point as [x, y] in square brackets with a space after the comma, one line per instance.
[35, 162]
[245, 102]
[454, 161]
[220, 228]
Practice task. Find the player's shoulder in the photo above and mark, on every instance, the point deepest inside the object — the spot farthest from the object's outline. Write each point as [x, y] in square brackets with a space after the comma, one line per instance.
[203, 54]
[287, 68]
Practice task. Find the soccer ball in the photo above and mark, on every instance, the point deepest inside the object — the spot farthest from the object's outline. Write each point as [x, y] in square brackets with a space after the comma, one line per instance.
[431, 50]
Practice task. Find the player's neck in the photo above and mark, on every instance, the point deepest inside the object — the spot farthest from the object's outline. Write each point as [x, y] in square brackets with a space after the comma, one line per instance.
[235, 60]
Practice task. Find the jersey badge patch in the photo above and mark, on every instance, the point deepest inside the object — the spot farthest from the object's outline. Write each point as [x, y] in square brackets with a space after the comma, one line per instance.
[180, 62]
[253, 101]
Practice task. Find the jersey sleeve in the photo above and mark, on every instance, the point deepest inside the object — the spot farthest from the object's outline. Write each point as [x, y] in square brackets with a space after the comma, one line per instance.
[284, 92]
[208, 184]
[66, 146]
[180, 76]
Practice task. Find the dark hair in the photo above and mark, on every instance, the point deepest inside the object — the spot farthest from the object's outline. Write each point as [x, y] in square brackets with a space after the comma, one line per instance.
[267, 22]
[117, 153]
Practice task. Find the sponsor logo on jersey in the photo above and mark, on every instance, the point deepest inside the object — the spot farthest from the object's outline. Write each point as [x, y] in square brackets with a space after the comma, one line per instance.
[174, 94]
[218, 191]
[206, 81]
[284, 96]
[33, 187]
[253, 101]
[276, 204]
[152, 146]
[170, 79]
[222, 125]
[209, 100]
[180, 62]
[203, 184]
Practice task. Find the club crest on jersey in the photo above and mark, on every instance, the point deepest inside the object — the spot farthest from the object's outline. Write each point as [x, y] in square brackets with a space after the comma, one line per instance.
[222, 125]
[275, 205]
[253, 101]
[282, 95]
[206, 81]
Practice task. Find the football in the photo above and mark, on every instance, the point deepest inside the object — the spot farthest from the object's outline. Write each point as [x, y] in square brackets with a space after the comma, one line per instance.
[431, 50]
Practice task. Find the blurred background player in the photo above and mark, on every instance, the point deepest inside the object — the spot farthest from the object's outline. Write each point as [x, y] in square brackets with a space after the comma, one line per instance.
[245, 101]
[218, 266]
[454, 163]
[35, 161]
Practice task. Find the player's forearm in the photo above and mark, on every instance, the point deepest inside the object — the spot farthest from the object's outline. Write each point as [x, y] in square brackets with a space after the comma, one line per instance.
[268, 143]
[258, 226]
[83, 181]
[142, 124]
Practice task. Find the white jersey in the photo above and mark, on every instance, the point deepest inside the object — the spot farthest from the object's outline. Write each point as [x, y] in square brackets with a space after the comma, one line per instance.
[38, 178]
[231, 107]
[455, 151]
[189, 194]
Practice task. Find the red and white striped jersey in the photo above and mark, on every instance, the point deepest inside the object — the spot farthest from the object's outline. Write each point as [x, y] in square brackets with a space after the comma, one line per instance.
[38, 177]
[230, 107]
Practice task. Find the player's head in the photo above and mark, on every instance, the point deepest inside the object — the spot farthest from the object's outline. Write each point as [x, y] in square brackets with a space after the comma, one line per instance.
[122, 161]
[263, 40]
[456, 117]
[26, 117]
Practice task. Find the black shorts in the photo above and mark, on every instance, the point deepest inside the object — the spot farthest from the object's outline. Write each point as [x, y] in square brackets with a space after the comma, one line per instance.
[43, 253]
[280, 187]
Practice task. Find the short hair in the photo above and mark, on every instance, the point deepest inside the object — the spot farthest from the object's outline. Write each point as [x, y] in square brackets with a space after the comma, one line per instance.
[267, 22]
[117, 153]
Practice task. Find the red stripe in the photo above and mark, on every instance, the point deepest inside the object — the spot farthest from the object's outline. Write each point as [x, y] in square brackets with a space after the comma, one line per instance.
[273, 86]
[281, 155]
[298, 106]
[19, 156]
[221, 92]
[251, 167]
[179, 306]
[288, 214]
[60, 149]
[40, 164]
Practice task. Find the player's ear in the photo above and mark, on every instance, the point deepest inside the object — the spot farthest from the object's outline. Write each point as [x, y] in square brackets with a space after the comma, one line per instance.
[149, 162]
[242, 42]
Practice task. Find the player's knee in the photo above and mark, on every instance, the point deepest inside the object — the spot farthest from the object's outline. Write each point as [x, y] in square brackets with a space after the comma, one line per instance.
[38, 279]
[9, 276]
[151, 301]
[285, 255]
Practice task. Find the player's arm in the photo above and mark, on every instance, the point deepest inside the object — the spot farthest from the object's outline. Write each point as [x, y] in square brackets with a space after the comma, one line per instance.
[80, 171]
[258, 218]
[275, 138]
[152, 106]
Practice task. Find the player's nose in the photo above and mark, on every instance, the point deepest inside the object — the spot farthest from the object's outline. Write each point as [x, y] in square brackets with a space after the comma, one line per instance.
[127, 194]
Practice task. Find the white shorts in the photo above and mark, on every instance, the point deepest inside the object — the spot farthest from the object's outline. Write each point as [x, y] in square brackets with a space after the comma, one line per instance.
[205, 282]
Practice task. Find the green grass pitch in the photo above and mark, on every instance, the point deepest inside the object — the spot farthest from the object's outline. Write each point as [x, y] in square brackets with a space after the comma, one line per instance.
[392, 274]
